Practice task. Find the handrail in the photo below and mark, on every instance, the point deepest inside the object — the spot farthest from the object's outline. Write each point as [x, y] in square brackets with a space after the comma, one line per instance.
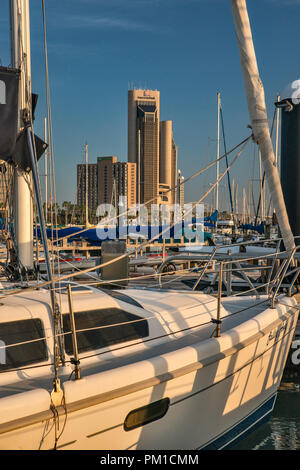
[234, 259]
[293, 281]
[203, 271]
[273, 265]
[218, 321]
[75, 359]
[284, 274]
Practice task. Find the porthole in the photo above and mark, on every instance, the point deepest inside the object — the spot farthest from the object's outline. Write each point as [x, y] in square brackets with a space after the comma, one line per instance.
[146, 414]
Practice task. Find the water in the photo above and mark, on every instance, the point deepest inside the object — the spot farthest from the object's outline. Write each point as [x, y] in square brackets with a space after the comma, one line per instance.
[282, 431]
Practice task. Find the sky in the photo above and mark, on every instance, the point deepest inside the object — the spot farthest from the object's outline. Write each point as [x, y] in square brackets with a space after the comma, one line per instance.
[186, 49]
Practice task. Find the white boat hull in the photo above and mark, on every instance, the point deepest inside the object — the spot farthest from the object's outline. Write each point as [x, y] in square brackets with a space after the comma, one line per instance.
[218, 389]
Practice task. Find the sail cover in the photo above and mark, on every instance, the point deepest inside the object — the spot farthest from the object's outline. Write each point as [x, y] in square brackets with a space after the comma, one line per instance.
[9, 95]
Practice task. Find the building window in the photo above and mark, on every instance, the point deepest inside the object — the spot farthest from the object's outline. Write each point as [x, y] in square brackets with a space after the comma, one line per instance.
[146, 414]
[19, 332]
[128, 327]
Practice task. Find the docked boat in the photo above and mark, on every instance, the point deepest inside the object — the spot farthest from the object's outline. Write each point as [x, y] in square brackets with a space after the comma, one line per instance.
[146, 360]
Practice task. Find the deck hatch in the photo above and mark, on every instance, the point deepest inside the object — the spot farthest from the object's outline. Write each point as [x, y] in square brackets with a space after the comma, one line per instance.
[118, 326]
[21, 331]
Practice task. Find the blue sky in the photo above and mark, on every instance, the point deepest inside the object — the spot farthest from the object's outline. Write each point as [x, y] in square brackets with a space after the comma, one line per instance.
[187, 49]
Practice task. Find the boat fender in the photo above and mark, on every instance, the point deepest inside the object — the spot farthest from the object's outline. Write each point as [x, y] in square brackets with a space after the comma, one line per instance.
[57, 394]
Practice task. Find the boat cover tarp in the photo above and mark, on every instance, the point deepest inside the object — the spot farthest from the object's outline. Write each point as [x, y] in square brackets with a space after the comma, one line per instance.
[257, 228]
[143, 232]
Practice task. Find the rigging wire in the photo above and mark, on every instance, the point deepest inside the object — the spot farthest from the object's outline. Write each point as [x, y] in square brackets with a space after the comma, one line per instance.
[264, 175]
[51, 166]
[228, 174]
[11, 226]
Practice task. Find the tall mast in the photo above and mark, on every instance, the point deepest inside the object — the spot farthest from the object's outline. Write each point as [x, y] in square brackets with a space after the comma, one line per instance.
[86, 186]
[46, 173]
[277, 132]
[218, 150]
[258, 115]
[21, 59]
[244, 206]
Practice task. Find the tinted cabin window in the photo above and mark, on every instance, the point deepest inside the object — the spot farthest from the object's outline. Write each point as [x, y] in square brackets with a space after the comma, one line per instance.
[124, 298]
[104, 337]
[146, 414]
[25, 354]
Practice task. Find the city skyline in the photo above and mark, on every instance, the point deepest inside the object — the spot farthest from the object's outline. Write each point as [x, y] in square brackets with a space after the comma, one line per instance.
[99, 49]
[149, 175]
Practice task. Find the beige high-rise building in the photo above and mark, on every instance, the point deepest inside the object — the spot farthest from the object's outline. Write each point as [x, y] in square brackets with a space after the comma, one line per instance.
[116, 179]
[125, 178]
[167, 163]
[143, 141]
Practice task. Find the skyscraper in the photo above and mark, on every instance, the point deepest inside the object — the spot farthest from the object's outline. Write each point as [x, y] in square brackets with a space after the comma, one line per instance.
[92, 185]
[143, 141]
[106, 181]
[151, 146]
[116, 179]
[167, 163]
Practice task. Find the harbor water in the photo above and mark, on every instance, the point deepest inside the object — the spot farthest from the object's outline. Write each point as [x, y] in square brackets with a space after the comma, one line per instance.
[282, 431]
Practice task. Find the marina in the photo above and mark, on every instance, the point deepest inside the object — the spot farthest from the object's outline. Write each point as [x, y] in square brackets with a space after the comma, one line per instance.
[147, 323]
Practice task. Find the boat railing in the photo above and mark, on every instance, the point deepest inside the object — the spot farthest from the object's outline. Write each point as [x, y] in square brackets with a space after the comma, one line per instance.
[295, 271]
[275, 267]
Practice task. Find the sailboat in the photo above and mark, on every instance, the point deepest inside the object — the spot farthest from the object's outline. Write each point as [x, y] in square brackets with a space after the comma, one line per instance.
[83, 368]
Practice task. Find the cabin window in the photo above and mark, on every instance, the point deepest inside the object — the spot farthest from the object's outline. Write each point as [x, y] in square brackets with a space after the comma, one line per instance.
[128, 327]
[146, 414]
[19, 332]
[123, 297]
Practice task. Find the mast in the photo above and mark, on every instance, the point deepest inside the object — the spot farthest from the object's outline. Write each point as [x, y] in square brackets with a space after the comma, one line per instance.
[277, 132]
[86, 186]
[21, 59]
[46, 173]
[20, 46]
[258, 115]
[261, 187]
[244, 206]
[218, 152]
